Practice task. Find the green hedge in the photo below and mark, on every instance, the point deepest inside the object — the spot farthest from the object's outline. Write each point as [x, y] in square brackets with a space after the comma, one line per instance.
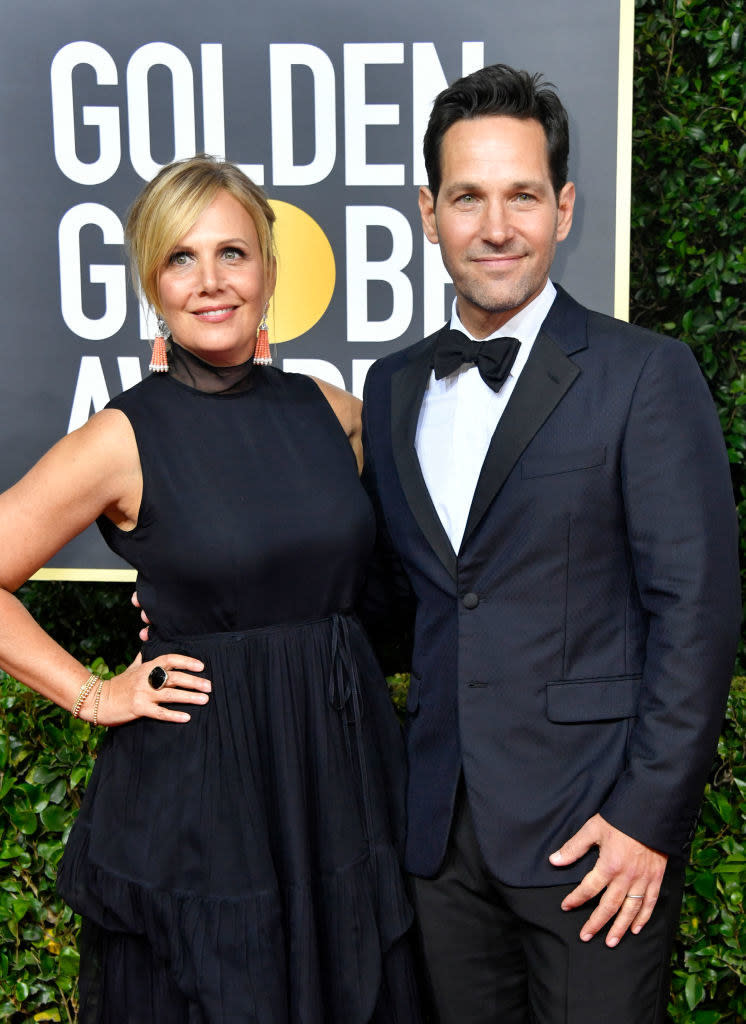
[45, 759]
[709, 978]
[688, 265]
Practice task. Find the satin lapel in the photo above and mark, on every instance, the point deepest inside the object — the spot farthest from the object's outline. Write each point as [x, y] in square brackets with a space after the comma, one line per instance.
[545, 379]
[407, 388]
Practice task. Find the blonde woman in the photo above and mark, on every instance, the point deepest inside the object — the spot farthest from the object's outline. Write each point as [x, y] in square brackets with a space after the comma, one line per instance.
[236, 856]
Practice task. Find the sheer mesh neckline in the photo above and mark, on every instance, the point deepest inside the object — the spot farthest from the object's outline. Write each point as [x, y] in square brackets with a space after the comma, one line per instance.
[189, 369]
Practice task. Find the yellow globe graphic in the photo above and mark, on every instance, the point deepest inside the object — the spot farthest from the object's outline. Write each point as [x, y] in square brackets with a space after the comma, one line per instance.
[305, 273]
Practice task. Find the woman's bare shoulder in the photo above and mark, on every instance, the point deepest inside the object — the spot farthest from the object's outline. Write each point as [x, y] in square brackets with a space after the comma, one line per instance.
[348, 410]
[93, 470]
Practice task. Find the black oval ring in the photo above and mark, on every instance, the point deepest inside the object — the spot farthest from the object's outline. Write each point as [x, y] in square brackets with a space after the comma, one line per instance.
[157, 677]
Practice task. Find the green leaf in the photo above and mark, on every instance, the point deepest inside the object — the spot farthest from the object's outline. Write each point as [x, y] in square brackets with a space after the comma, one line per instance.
[20, 906]
[50, 851]
[69, 962]
[57, 792]
[10, 850]
[722, 804]
[77, 776]
[705, 885]
[693, 991]
[25, 821]
[55, 818]
[731, 866]
[41, 775]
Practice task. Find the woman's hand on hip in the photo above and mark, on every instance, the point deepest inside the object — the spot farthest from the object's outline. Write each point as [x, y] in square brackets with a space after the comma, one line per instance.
[141, 691]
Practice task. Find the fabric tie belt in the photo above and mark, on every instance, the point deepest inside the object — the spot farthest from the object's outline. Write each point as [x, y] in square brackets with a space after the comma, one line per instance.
[345, 696]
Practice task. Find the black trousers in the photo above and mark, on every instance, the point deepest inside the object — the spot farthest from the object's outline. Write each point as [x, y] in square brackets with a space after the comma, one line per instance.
[495, 954]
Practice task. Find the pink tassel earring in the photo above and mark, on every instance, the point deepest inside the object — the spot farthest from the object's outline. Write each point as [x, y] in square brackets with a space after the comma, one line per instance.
[262, 355]
[158, 357]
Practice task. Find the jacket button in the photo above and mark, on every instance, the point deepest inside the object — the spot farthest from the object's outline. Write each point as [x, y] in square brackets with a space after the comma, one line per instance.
[470, 600]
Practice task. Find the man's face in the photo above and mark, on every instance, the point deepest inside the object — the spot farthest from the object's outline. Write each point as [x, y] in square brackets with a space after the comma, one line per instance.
[496, 218]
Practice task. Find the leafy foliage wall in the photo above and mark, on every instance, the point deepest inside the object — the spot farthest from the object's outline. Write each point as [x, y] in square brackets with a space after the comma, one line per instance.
[688, 267]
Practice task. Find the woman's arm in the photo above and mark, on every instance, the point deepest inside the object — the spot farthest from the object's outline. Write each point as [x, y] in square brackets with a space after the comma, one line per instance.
[93, 471]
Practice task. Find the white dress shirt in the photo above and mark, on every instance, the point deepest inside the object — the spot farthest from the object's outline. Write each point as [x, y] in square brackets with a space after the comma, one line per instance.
[458, 417]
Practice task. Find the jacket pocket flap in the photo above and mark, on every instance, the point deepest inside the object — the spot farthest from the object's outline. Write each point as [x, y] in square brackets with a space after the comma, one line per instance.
[563, 462]
[593, 700]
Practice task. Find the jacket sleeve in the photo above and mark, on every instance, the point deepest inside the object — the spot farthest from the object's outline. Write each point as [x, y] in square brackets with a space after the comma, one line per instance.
[683, 538]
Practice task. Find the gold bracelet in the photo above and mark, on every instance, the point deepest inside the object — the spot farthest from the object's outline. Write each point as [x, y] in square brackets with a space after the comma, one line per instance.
[84, 691]
[97, 701]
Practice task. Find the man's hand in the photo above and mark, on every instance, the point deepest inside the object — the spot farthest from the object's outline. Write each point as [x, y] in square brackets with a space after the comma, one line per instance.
[144, 633]
[630, 872]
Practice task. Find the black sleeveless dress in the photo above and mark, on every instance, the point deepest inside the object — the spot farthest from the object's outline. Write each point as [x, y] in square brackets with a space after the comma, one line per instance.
[245, 866]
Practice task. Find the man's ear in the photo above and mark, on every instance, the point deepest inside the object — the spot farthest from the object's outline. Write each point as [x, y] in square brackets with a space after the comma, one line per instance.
[427, 212]
[565, 207]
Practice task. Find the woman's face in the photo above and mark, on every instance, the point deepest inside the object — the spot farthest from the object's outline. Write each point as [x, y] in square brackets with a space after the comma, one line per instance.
[213, 288]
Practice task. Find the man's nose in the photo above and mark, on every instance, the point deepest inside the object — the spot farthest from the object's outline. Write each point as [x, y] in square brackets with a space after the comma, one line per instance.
[497, 226]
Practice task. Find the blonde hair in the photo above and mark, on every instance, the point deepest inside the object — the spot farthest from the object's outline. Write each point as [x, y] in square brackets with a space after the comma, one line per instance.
[169, 205]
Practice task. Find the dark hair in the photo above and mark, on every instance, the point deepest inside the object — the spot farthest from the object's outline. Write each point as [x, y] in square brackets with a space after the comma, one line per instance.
[499, 90]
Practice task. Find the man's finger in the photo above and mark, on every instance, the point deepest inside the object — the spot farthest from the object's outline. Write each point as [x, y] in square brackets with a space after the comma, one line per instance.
[610, 904]
[576, 846]
[647, 908]
[628, 914]
[588, 887]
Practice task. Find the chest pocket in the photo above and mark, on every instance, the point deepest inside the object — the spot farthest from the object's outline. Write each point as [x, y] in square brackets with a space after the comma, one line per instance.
[562, 462]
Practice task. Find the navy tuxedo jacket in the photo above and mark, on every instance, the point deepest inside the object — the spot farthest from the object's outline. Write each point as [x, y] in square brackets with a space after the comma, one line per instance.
[574, 655]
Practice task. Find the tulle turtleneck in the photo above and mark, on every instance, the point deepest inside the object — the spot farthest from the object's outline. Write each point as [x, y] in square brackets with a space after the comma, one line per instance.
[189, 369]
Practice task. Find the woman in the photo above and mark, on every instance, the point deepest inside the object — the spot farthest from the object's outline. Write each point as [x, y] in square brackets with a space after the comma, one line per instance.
[235, 858]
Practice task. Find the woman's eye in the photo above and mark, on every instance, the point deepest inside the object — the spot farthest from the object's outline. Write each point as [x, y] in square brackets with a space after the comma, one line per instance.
[178, 259]
[232, 254]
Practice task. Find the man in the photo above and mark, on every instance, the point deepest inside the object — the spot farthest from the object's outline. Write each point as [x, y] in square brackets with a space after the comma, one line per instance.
[568, 531]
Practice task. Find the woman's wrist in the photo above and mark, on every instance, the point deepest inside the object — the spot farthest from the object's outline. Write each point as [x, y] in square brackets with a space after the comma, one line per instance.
[86, 689]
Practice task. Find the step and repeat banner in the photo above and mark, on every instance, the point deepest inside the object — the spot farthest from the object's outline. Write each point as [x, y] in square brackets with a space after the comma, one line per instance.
[323, 104]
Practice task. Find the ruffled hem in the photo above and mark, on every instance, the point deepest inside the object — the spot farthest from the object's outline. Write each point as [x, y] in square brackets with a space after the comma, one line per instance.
[309, 952]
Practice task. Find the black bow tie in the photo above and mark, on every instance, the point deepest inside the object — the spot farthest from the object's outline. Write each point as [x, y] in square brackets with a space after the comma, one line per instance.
[494, 357]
